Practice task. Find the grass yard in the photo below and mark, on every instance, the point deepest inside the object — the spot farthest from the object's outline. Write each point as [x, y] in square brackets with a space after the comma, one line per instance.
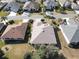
[3, 13]
[18, 51]
[1, 43]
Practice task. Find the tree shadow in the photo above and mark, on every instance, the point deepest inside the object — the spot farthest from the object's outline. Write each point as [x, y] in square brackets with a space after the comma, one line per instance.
[3, 29]
[57, 37]
[14, 41]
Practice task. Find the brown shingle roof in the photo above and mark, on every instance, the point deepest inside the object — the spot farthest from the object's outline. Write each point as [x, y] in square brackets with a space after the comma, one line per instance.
[15, 31]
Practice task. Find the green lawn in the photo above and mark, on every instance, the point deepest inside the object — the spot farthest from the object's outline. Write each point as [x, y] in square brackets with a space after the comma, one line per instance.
[3, 13]
[1, 43]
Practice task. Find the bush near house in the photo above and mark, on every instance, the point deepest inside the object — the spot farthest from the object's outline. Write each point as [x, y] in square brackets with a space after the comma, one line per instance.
[46, 52]
[17, 21]
[2, 43]
[11, 22]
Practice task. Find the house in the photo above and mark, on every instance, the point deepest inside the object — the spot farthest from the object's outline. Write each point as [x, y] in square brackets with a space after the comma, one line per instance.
[42, 33]
[70, 31]
[7, 1]
[75, 7]
[23, 1]
[50, 4]
[2, 5]
[12, 6]
[31, 6]
[14, 32]
[67, 4]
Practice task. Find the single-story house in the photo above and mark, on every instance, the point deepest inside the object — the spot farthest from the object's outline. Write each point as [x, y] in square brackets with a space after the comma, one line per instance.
[14, 32]
[12, 6]
[67, 4]
[70, 32]
[23, 1]
[75, 7]
[42, 33]
[50, 4]
[7, 1]
[31, 6]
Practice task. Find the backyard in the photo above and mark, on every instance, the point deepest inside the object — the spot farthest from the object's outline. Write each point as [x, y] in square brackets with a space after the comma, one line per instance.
[18, 51]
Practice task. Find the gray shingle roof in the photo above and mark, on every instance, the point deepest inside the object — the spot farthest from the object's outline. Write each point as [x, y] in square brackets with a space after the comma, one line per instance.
[50, 4]
[13, 6]
[75, 38]
[75, 6]
[71, 31]
[46, 37]
[31, 5]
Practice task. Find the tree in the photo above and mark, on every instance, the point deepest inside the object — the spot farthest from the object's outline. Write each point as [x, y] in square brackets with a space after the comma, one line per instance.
[4, 19]
[28, 55]
[48, 52]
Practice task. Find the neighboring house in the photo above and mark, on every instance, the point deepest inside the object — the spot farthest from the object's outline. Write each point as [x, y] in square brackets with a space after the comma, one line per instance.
[12, 6]
[71, 32]
[42, 33]
[2, 5]
[50, 4]
[23, 1]
[75, 7]
[14, 32]
[67, 4]
[7, 1]
[31, 6]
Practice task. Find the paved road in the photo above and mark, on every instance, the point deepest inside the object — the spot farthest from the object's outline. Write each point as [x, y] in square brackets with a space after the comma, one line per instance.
[57, 15]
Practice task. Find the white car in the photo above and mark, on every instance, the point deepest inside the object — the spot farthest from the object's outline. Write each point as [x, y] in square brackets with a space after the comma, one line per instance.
[48, 13]
[26, 14]
[12, 13]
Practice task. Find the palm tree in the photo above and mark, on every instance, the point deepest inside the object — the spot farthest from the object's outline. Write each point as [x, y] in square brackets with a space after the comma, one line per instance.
[4, 19]
[42, 6]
